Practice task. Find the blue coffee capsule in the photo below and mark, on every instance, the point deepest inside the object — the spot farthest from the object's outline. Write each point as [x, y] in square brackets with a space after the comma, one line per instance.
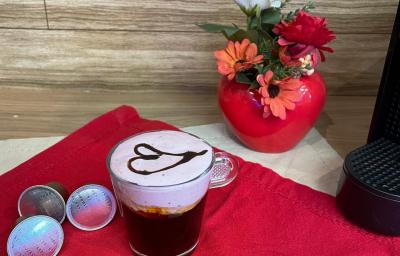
[91, 207]
[37, 235]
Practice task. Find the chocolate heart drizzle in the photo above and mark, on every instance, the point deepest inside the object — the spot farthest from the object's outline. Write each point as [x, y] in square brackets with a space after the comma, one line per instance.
[186, 157]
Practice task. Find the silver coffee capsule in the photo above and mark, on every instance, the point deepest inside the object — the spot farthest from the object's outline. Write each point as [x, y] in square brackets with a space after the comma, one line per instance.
[91, 207]
[38, 235]
[43, 200]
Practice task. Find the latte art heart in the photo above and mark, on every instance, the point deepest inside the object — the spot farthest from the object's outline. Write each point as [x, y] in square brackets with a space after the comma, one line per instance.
[161, 158]
[163, 170]
[185, 157]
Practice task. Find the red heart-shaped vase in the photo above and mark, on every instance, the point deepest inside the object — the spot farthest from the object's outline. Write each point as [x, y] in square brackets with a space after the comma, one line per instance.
[243, 114]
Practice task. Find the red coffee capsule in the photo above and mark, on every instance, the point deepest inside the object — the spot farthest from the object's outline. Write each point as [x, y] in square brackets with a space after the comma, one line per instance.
[91, 207]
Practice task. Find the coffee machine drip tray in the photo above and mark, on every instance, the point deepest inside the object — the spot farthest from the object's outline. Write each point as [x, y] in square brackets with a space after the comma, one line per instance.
[369, 189]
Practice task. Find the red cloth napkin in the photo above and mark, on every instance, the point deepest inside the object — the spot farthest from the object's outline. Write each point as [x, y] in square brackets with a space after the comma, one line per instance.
[260, 213]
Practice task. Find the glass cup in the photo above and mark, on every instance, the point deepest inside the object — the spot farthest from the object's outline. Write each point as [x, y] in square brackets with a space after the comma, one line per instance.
[161, 179]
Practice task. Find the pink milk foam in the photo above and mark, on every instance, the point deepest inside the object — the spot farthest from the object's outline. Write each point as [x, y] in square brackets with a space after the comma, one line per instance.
[174, 189]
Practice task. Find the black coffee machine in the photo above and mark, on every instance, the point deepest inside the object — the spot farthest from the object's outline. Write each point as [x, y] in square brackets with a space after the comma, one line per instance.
[369, 189]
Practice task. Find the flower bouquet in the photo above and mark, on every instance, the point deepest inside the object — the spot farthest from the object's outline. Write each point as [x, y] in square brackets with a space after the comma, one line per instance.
[270, 93]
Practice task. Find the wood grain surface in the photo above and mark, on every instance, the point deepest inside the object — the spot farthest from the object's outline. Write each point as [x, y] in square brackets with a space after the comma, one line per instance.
[22, 14]
[121, 60]
[345, 16]
[64, 62]
[31, 112]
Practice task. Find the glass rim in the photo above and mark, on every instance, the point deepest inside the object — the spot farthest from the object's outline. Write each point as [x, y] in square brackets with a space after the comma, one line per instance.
[203, 173]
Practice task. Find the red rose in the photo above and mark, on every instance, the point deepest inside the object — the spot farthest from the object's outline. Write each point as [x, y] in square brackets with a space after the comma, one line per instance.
[304, 35]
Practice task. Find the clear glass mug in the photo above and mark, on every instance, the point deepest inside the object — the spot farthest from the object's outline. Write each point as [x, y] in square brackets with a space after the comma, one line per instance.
[165, 219]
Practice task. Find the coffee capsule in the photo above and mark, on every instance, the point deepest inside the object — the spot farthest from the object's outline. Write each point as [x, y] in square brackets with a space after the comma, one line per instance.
[21, 218]
[38, 235]
[91, 207]
[46, 199]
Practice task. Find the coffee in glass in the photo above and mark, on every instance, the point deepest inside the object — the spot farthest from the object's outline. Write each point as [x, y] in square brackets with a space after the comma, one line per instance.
[161, 179]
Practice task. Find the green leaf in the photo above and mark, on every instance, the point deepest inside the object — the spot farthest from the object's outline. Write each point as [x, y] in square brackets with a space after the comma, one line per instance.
[253, 36]
[254, 85]
[259, 68]
[258, 11]
[231, 33]
[245, 11]
[268, 29]
[265, 69]
[210, 27]
[242, 78]
[253, 22]
[271, 16]
[241, 34]
[307, 8]
[284, 3]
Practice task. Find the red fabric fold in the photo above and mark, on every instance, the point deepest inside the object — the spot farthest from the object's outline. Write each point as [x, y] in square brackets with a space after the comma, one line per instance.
[259, 213]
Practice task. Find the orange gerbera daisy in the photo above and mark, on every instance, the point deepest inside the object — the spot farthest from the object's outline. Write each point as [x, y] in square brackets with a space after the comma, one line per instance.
[237, 57]
[278, 95]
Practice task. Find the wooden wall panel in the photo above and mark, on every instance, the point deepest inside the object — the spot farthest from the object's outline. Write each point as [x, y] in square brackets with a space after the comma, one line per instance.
[140, 60]
[345, 121]
[28, 112]
[356, 66]
[359, 16]
[22, 14]
[99, 54]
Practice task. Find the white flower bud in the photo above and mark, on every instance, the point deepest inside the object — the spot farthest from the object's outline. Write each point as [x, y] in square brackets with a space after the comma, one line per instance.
[276, 3]
[306, 65]
[262, 4]
[309, 72]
